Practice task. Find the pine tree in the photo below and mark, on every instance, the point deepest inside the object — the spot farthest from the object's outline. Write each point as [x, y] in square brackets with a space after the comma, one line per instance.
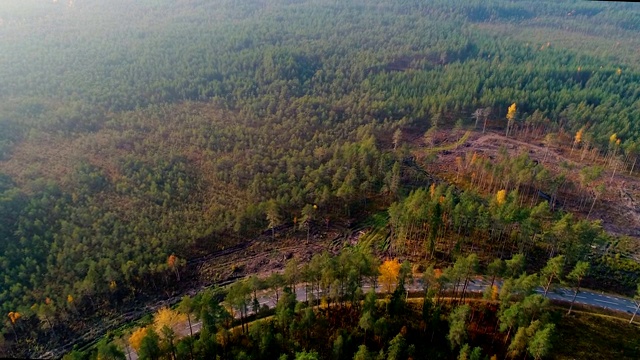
[576, 275]
[551, 272]
[540, 344]
[273, 216]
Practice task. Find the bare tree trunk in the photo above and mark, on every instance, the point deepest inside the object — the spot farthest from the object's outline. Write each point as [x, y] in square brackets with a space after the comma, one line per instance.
[634, 313]
[592, 205]
[546, 288]
[13, 327]
[575, 295]
[464, 288]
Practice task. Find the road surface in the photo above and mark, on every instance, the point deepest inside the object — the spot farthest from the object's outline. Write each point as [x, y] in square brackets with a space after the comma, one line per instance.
[585, 297]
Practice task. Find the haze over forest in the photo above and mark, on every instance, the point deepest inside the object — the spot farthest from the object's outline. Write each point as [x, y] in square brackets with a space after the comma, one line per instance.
[152, 148]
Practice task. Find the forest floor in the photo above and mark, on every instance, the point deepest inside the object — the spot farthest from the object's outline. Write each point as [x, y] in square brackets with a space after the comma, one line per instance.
[618, 210]
[260, 256]
[584, 326]
[618, 207]
[265, 254]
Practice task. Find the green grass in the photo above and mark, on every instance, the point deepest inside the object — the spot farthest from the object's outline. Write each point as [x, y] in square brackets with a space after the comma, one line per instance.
[585, 336]
[451, 146]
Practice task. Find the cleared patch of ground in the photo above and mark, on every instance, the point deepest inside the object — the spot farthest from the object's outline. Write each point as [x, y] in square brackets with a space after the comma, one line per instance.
[618, 207]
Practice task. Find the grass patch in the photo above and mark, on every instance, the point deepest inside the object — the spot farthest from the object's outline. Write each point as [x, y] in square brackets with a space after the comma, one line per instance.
[451, 146]
[585, 336]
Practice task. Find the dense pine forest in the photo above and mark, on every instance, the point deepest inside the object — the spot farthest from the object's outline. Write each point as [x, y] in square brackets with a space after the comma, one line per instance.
[138, 138]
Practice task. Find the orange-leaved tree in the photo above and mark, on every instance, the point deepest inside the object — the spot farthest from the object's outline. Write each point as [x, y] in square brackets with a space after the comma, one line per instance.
[389, 271]
[577, 140]
[13, 317]
[173, 262]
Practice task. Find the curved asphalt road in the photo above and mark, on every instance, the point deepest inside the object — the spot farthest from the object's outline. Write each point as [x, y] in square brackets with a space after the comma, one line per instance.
[479, 284]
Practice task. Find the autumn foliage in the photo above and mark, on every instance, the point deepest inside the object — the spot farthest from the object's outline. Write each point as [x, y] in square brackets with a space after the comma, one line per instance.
[511, 113]
[511, 116]
[14, 316]
[501, 197]
[169, 318]
[578, 138]
[135, 340]
[389, 271]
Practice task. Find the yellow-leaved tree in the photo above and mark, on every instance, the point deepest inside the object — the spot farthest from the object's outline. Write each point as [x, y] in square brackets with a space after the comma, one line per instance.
[169, 318]
[389, 271]
[614, 143]
[135, 340]
[577, 140]
[501, 197]
[511, 116]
